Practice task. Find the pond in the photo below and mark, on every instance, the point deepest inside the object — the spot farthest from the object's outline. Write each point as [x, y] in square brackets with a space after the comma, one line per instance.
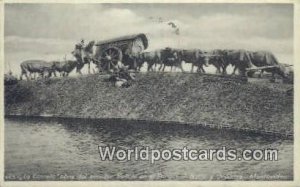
[50, 149]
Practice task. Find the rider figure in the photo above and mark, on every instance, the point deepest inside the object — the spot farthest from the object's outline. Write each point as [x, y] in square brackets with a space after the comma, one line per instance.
[78, 54]
[78, 48]
[81, 44]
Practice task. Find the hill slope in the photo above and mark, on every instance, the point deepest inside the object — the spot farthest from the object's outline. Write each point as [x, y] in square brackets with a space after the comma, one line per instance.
[187, 98]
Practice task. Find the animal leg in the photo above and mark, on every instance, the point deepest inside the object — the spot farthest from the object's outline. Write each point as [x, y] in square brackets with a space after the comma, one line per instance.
[261, 73]
[89, 67]
[149, 66]
[219, 70]
[153, 64]
[22, 74]
[161, 65]
[41, 74]
[26, 75]
[50, 74]
[273, 79]
[242, 72]
[201, 67]
[159, 68]
[134, 64]
[234, 70]
[192, 70]
[224, 70]
[181, 68]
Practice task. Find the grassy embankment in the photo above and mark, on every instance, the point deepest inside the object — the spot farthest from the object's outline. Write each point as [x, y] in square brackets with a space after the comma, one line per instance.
[213, 101]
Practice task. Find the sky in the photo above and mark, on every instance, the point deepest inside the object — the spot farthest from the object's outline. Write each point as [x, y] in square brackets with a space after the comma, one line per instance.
[50, 31]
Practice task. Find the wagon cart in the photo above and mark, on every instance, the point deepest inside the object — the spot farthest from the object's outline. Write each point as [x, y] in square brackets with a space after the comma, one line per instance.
[125, 49]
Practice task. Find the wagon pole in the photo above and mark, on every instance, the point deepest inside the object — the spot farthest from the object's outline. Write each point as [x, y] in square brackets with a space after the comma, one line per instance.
[261, 68]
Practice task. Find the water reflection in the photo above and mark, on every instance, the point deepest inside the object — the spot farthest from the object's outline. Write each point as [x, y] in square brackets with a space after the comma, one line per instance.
[69, 147]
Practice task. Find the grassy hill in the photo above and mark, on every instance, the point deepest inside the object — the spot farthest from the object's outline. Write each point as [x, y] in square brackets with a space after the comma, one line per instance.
[209, 100]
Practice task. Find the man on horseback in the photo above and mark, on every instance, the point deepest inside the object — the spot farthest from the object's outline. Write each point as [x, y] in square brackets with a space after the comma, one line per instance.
[78, 48]
[78, 55]
[83, 54]
[81, 44]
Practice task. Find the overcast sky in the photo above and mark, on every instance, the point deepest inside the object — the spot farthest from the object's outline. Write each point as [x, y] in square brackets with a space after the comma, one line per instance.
[49, 31]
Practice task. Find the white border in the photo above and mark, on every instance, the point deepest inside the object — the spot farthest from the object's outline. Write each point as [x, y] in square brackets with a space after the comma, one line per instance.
[295, 183]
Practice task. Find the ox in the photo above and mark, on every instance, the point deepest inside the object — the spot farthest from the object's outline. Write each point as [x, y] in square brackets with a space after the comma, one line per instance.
[43, 68]
[64, 67]
[152, 58]
[240, 60]
[266, 58]
[169, 57]
[196, 57]
[218, 59]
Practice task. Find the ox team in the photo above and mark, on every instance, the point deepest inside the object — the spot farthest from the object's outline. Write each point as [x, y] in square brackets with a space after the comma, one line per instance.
[241, 60]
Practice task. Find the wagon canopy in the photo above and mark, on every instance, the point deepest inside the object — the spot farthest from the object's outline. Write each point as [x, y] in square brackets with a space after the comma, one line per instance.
[128, 38]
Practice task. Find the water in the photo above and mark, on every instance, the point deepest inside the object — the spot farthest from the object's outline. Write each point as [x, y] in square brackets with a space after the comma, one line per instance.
[59, 149]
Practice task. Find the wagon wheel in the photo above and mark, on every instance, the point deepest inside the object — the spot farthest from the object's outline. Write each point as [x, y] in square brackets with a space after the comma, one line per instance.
[110, 57]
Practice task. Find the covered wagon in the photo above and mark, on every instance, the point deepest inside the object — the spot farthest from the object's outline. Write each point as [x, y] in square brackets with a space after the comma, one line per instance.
[125, 49]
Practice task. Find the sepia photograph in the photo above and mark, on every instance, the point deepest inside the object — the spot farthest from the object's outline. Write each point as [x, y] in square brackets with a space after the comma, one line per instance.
[148, 92]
